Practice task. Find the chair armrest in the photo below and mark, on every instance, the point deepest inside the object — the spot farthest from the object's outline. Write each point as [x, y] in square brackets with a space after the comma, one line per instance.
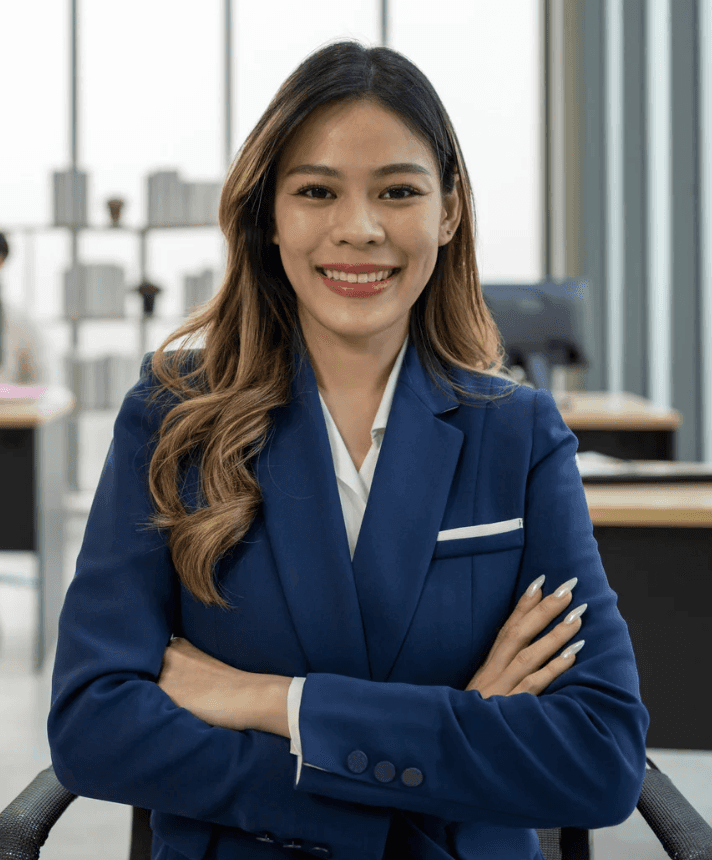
[681, 830]
[26, 822]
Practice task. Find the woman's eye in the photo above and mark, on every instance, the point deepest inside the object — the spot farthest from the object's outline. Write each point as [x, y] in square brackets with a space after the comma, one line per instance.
[408, 188]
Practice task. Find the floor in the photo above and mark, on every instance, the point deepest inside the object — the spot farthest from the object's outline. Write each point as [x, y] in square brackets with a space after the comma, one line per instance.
[88, 823]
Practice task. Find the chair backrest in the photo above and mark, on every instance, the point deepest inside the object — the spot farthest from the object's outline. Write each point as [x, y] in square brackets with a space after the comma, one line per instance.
[141, 834]
[566, 843]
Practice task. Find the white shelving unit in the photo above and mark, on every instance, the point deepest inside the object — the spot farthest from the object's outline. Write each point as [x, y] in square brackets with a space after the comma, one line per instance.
[76, 495]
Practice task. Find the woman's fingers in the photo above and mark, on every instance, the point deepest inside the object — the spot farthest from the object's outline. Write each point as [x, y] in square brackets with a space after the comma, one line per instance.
[537, 682]
[514, 664]
[531, 616]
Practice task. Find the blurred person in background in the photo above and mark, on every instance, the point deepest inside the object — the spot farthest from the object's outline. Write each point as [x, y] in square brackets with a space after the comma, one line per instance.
[26, 356]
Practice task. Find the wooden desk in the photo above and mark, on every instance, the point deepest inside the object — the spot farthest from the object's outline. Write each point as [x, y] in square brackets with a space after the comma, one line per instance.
[620, 424]
[655, 542]
[32, 451]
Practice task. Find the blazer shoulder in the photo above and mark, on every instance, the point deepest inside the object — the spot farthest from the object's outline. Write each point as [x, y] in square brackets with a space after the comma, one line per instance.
[147, 382]
[516, 399]
[189, 361]
[493, 390]
[147, 398]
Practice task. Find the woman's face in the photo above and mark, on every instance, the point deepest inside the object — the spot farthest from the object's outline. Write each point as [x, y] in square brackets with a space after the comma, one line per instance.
[359, 217]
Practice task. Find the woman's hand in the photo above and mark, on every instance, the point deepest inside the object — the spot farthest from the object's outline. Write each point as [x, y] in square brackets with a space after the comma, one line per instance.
[510, 667]
[216, 693]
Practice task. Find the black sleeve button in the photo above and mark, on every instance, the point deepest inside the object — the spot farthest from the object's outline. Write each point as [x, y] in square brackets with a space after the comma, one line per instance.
[384, 771]
[357, 761]
[411, 776]
[320, 851]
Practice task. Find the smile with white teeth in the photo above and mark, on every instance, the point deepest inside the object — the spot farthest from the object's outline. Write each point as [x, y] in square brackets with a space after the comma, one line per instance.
[352, 278]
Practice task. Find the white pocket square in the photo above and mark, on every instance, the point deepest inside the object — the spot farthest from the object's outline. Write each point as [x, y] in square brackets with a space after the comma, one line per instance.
[481, 530]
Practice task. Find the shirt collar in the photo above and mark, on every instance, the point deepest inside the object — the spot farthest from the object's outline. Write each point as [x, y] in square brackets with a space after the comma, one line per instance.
[344, 466]
[381, 419]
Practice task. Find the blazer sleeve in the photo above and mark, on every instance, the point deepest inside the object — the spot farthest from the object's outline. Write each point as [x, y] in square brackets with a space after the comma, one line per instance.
[113, 733]
[572, 756]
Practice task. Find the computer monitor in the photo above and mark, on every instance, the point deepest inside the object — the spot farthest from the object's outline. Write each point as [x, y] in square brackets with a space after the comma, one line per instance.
[543, 324]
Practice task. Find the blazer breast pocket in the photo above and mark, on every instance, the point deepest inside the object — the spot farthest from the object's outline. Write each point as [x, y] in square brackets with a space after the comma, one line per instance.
[482, 538]
[469, 583]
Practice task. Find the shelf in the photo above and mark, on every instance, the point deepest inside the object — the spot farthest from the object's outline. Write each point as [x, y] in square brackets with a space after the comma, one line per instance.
[107, 228]
[19, 580]
[78, 503]
[170, 319]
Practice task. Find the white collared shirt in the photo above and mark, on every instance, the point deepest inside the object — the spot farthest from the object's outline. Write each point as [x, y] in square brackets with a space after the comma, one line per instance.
[354, 487]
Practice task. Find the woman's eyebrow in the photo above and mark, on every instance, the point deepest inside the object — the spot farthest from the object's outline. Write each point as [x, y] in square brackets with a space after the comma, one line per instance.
[386, 170]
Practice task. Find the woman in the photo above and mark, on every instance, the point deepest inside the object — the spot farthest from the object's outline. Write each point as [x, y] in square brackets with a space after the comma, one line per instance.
[363, 684]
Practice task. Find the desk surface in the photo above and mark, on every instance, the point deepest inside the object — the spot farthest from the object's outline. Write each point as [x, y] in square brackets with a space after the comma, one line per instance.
[604, 410]
[56, 402]
[676, 505]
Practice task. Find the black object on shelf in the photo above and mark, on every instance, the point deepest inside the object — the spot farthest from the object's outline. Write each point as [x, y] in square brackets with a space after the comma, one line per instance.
[149, 292]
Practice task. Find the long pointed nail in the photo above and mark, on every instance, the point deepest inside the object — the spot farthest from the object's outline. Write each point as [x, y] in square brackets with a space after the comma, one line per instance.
[566, 587]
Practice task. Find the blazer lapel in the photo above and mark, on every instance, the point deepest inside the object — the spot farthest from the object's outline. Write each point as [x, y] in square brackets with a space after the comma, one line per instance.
[411, 485]
[307, 534]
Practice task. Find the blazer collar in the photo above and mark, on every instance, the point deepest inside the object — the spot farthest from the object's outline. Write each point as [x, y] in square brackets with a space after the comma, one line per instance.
[352, 617]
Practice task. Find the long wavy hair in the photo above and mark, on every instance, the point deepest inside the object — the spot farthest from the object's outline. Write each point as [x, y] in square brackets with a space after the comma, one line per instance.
[251, 327]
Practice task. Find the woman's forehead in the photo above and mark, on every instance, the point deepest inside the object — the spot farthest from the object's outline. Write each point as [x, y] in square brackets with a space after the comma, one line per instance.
[381, 135]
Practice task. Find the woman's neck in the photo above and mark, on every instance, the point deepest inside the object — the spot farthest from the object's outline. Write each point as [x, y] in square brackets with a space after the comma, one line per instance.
[342, 368]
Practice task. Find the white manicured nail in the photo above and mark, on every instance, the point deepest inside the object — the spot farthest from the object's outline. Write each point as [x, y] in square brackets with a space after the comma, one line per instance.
[566, 586]
[574, 649]
[575, 613]
[536, 585]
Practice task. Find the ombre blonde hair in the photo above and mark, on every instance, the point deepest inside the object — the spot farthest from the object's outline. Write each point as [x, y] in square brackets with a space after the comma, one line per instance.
[251, 326]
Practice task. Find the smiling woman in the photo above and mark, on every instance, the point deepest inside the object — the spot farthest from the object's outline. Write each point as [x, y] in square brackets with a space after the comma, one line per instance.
[400, 199]
[323, 462]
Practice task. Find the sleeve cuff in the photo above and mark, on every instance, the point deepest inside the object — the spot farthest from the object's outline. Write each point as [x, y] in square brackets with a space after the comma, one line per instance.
[294, 701]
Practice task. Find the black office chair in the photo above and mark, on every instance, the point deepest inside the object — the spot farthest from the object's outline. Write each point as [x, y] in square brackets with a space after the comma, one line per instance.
[683, 833]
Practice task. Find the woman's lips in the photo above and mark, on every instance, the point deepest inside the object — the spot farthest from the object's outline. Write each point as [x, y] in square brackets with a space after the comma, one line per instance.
[345, 288]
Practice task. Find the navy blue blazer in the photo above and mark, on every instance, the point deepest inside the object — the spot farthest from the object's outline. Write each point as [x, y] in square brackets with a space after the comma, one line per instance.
[387, 642]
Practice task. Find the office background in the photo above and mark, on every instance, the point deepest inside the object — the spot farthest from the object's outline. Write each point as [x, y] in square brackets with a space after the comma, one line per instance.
[587, 131]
